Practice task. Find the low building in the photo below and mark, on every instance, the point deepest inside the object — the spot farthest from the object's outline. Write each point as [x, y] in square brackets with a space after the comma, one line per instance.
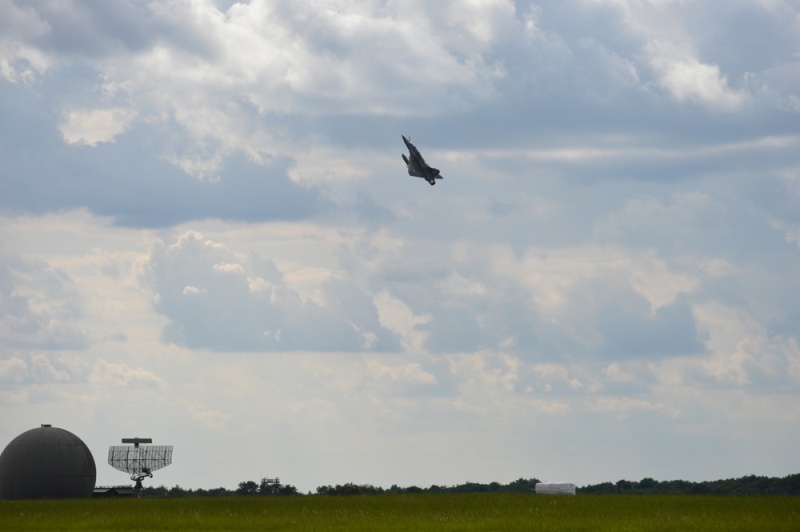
[555, 488]
[104, 492]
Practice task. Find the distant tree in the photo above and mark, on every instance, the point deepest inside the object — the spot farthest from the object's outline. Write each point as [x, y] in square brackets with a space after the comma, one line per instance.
[177, 491]
[647, 483]
[247, 488]
[747, 485]
[349, 489]
[151, 491]
[624, 485]
[790, 485]
[523, 486]
[219, 492]
[288, 489]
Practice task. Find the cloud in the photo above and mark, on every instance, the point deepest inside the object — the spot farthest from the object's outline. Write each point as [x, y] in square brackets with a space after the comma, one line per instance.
[91, 127]
[409, 373]
[21, 62]
[743, 352]
[486, 372]
[121, 374]
[41, 369]
[399, 318]
[134, 184]
[209, 418]
[216, 299]
[13, 370]
[40, 306]
[253, 99]
[554, 375]
[626, 406]
[688, 79]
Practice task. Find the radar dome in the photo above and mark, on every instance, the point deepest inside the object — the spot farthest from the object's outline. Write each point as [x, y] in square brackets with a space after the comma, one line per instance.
[46, 463]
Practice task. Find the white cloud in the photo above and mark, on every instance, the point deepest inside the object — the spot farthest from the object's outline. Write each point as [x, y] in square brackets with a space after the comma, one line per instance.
[228, 268]
[396, 316]
[626, 406]
[40, 306]
[551, 374]
[250, 304]
[190, 290]
[43, 371]
[13, 370]
[19, 62]
[94, 126]
[686, 78]
[409, 373]
[486, 372]
[457, 286]
[742, 352]
[209, 418]
[121, 374]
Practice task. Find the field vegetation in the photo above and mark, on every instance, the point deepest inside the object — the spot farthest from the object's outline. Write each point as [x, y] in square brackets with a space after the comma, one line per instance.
[419, 512]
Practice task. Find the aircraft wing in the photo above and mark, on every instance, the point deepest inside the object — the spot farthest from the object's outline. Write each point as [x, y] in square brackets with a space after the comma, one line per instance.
[417, 166]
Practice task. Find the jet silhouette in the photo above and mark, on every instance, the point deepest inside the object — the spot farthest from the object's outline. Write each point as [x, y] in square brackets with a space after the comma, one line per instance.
[417, 166]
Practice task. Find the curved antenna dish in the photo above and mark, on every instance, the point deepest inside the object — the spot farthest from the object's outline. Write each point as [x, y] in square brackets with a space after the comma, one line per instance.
[139, 461]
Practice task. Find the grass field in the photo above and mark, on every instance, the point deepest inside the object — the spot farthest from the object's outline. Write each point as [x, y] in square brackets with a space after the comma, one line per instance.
[502, 511]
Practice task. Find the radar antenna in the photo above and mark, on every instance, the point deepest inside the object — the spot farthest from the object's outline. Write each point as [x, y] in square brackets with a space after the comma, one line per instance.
[139, 462]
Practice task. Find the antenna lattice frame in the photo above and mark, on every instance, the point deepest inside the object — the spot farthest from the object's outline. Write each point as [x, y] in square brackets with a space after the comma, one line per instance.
[139, 461]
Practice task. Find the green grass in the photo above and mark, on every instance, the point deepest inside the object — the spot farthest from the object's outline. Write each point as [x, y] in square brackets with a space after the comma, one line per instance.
[502, 511]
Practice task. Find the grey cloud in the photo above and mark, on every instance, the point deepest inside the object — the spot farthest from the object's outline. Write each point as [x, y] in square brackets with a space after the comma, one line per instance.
[12, 370]
[570, 76]
[632, 330]
[39, 368]
[742, 36]
[217, 300]
[40, 307]
[130, 180]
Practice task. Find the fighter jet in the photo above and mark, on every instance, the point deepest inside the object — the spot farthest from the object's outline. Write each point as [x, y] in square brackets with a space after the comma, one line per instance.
[417, 166]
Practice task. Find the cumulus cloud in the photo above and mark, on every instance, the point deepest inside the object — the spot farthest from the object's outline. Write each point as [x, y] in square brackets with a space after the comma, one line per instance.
[20, 61]
[626, 406]
[13, 370]
[217, 299]
[409, 373]
[96, 125]
[41, 369]
[121, 374]
[40, 306]
[208, 418]
[686, 78]
[248, 96]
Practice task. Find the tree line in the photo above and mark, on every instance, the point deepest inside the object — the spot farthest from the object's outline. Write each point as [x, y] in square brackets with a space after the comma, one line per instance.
[747, 485]
[518, 486]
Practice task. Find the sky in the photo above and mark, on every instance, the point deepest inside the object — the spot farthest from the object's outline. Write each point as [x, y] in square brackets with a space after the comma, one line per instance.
[208, 237]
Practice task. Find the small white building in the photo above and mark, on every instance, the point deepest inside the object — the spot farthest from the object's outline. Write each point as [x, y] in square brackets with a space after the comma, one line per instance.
[555, 488]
